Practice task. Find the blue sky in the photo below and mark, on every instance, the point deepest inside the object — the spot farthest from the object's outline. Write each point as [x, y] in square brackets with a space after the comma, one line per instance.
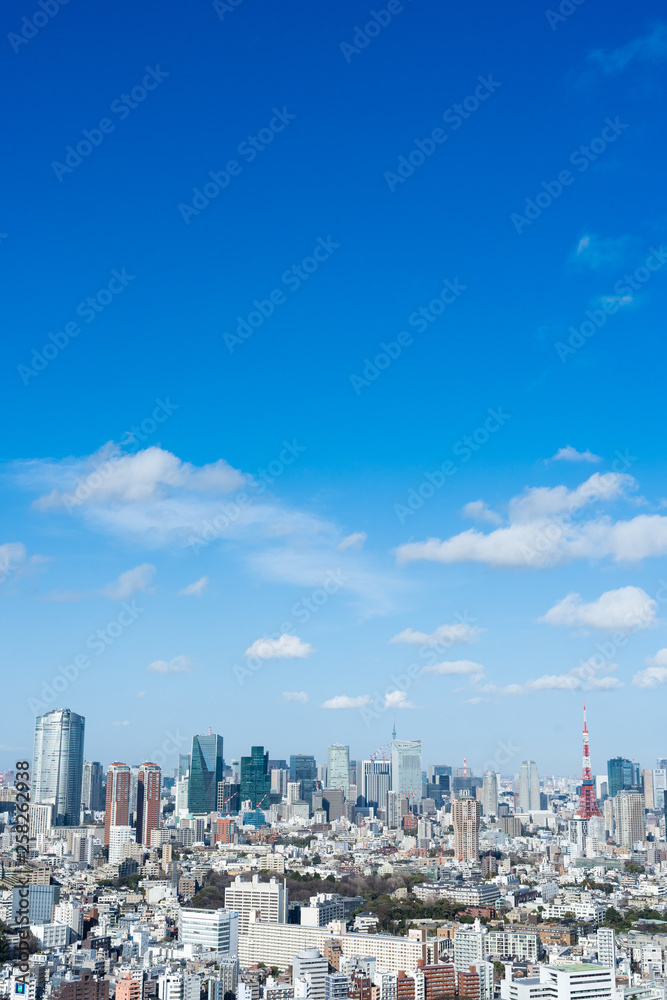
[343, 332]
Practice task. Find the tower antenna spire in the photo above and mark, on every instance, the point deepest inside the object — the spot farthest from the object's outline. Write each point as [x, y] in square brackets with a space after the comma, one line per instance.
[588, 804]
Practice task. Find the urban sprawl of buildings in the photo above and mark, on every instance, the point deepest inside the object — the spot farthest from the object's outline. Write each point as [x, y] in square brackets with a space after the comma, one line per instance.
[376, 879]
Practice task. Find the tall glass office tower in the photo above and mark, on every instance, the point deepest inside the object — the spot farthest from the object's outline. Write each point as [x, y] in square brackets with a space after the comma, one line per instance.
[58, 764]
[256, 779]
[206, 766]
[302, 768]
[406, 768]
[338, 768]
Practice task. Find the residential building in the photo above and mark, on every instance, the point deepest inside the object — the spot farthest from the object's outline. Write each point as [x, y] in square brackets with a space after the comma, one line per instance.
[82, 986]
[212, 930]
[41, 900]
[563, 982]
[58, 764]
[118, 837]
[490, 794]
[606, 947]
[129, 988]
[117, 806]
[466, 814]
[629, 817]
[149, 787]
[309, 973]
[269, 899]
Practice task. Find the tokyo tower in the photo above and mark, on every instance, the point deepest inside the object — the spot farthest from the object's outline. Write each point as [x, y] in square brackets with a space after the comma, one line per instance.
[588, 804]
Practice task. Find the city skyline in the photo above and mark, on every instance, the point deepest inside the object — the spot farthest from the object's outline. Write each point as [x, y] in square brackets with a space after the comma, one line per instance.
[363, 434]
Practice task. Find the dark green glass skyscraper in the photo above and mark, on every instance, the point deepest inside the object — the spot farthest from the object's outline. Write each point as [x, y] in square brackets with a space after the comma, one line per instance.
[256, 778]
[206, 766]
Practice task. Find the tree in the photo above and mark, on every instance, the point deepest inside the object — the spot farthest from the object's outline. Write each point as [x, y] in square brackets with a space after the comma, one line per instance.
[499, 970]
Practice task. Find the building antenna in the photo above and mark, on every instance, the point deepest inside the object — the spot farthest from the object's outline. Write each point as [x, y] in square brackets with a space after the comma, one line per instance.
[393, 732]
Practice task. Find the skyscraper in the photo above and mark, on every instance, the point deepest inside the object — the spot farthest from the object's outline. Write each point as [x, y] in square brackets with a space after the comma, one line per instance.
[117, 806]
[374, 782]
[529, 787]
[629, 816]
[256, 779]
[92, 798]
[466, 812]
[622, 774]
[490, 794]
[206, 766]
[58, 764]
[338, 768]
[302, 768]
[149, 787]
[406, 768]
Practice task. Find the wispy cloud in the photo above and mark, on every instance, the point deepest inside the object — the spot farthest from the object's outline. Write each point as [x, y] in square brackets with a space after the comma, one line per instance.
[195, 589]
[130, 583]
[478, 510]
[347, 701]
[124, 723]
[300, 696]
[651, 47]
[570, 454]
[354, 541]
[179, 665]
[589, 676]
[625, 610]
[597, 253]
[285, 647]
[451, 668]
[444, 635]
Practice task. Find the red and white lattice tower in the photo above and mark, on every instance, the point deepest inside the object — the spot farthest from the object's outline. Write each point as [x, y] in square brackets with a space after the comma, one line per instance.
[588, 804]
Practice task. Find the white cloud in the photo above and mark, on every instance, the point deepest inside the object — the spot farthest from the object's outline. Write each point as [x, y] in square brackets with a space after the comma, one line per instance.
[354, 541]
[655, 674]
[588, 676]
[130, 583]
[195, 589]
[595, 252]
[626, 609]
[285, 647]
[450, 668]
[141, 694]
[475, 701]
[570, 454]
[12, 554]
[444, 635]
[550, 526]
[478, 510]
[179, 665]
[397, 699]
[347, 701]
[124, 723]
[295, 696]
[647, 48]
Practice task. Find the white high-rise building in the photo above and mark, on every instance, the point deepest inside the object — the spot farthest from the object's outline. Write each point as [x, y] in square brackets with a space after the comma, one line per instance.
[406, 768]
[490, 794]
[607, 947]
[529, 787]
[629, 816]
[469, 945]
[58, 764]
[212, 930]
[309, 972]
[659, 787]
[268, 899]
[70, 914]
[118, 836]
[338, 768]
